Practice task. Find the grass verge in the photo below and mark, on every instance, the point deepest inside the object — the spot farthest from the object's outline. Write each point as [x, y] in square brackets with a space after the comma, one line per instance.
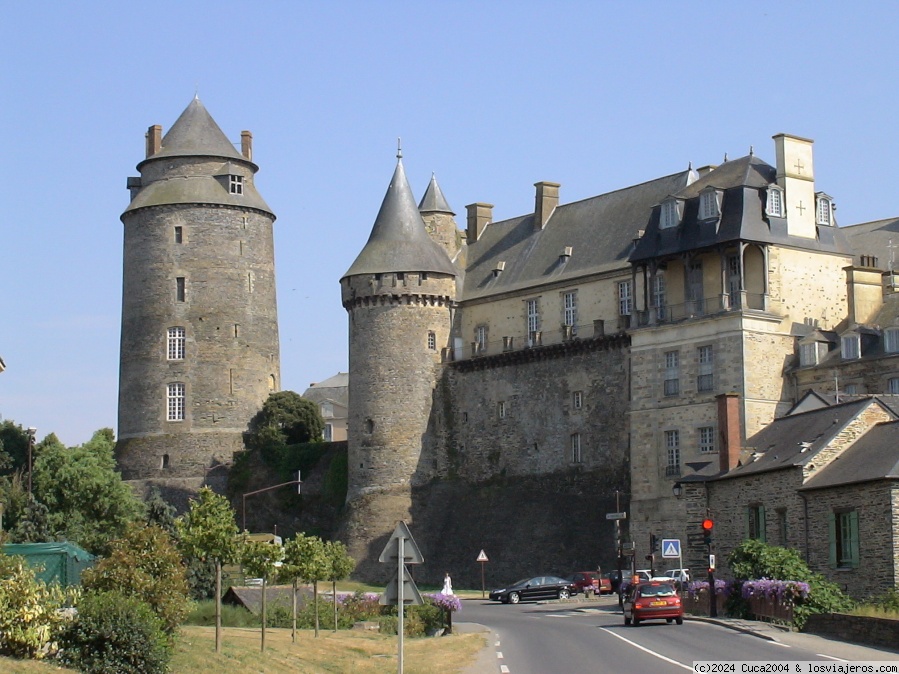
[344, 652]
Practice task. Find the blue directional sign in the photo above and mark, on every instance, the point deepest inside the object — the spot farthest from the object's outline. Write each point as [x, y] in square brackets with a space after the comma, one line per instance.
[671, 547]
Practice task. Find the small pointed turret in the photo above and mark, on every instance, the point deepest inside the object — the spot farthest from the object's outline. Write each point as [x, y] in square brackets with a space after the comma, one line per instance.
[398, 240]
[433, 201]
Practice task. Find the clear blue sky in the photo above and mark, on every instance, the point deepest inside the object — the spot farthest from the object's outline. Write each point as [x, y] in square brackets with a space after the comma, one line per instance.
[492, 96]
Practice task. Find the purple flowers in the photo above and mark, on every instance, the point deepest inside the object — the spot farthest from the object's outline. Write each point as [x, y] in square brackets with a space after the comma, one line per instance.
[782, 591]
[448, 602]
[695, 587]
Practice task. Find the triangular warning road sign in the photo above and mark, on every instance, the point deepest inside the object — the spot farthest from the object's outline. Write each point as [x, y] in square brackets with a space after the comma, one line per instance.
[411, 553]
[411, 595]
[482, 557]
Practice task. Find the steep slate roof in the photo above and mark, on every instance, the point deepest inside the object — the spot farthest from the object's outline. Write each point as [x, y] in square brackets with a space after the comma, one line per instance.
[398, 240]
[334, 389]
[195, 134]
[875, 238]
[744, 182]
[433, 201]
[874, 456]
[794, 440]
[600, 230]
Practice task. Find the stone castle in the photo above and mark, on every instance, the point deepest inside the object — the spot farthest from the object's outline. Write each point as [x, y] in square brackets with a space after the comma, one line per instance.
[512, 382]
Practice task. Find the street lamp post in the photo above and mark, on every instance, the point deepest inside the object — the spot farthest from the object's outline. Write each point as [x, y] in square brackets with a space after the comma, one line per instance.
[31, 433]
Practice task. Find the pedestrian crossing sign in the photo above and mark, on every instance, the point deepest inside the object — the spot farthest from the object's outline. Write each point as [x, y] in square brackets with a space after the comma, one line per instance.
[670, 548]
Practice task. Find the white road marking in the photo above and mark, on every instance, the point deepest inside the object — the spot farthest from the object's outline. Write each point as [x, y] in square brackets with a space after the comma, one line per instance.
[504, 669]
[689, 668]
[830, 657]
[777, 643]
[499, 655]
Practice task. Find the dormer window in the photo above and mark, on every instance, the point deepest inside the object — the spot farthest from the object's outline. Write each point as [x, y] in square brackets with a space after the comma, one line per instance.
[708, 204]
[824, 209]
[891, 340]
[236, 184]
[775, 206]
[808, 354]
[850, 347]
[670, 215]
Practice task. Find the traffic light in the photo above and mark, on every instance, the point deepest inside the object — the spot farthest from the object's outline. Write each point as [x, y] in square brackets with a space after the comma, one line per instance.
[653, 543]
[707, 526]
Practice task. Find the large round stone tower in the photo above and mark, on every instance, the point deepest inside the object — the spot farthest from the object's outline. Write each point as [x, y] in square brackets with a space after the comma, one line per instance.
[399, 294]
[199, 346]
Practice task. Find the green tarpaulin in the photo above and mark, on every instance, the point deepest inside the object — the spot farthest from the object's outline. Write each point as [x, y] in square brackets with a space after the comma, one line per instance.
[60, 563]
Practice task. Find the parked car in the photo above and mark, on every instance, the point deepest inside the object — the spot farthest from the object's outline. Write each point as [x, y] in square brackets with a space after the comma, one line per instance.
[614, 579]
[537, 587]
[590, 582]
[653, 600]
[682, 575]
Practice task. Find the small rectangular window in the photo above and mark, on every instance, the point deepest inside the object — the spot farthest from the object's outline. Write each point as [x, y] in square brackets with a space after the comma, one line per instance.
[672, 373]
[672, 450]
[577, 399]
[782, 527]
[480, 338]
[432, 340]
[576, 456]
[893, 386]
[823, 211]
[329, 432]
[755, 522]
[236, 183]
[501, 409]
[669, 216]
[850, 347]
[175, 340]
[844, 540]
[775, 206]
[808, 354]
[569, 308]
[175, 402]
[706, 439]
[659, 299]
[705, 381]
[708, 205]
[179, 234]
[625, 298]
[891, 340]
[180, 289]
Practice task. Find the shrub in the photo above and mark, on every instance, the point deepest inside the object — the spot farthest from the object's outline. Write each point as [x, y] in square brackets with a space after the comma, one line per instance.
[115, 634]
[418, 621]
[29, 614]
[754, 560]
[146, 565]
[888, 602]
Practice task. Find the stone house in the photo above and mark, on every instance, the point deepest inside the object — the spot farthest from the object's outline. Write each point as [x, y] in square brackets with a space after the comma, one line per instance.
[824, 481]
[331, 396]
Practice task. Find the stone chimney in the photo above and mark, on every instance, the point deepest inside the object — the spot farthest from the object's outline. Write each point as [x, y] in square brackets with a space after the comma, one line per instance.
[246, 144]
[728, 431]
[545, 202]
[796, 175]
[865, 291]
[479, 216]
[154, 140]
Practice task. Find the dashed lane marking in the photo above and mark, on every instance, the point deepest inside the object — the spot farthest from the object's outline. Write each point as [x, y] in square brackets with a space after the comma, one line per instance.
[646, 650]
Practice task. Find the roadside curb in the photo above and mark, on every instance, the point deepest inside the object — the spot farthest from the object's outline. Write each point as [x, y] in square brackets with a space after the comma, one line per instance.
[742, 626]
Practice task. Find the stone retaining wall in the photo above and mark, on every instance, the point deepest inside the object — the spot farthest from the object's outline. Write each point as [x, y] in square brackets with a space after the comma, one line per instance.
[877, 632]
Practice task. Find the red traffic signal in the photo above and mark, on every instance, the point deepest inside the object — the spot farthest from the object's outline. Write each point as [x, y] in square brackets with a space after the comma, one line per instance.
[707, 524]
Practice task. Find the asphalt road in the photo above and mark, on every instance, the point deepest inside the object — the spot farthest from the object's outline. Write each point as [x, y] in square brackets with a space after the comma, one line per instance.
[590, 636]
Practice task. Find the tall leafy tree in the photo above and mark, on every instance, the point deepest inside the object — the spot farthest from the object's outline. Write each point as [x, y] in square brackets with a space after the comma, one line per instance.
[305, 559]
[208, 532]
[13, 447]
[340, 566]
[260, 560]
[87, 500]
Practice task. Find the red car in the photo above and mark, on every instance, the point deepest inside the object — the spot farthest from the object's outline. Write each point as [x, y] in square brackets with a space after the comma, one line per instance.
[590, 582]
[653, 600]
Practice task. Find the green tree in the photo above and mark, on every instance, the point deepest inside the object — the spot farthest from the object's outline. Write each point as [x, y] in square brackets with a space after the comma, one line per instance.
[260, 559]
[305, 559]
[208, 532]
[33, 525]
[340, 566]
[87, 500]
[146, 565]
[286, 418]
[13, 447]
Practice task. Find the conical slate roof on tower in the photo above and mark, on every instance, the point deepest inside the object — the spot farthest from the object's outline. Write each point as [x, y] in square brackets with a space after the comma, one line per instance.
[196, 133]
[433, 201]
[195, 137]
[398, 240]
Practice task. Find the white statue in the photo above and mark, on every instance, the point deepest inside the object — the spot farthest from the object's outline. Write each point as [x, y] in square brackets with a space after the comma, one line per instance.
[447, 585]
